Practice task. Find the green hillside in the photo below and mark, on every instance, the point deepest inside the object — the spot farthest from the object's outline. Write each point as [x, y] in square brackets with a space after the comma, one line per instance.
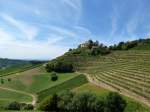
[9, 66]
[124, 70]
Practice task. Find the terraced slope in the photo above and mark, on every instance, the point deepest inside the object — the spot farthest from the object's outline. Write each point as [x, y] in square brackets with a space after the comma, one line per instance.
[125, 71]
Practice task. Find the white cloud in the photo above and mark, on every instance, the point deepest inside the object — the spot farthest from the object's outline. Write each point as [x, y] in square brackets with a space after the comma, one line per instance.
[76, 4]
[61, 31]
[24, 39]
[31, 50]
[114, 25]
[29, 31]
[4, 36]
[16, 49]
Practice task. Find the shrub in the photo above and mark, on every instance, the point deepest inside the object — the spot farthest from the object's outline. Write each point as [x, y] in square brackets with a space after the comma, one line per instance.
[86, 102]
[50, 104]
[83, 102]
[9, 79]
[28, 107]
[54, 77]
[71, 102]
[2, 81]
[13, 106]
[19, 106]
[115, 103]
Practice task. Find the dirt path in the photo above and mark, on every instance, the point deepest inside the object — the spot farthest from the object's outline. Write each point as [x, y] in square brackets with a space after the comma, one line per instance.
[34, 97]
[120, 90]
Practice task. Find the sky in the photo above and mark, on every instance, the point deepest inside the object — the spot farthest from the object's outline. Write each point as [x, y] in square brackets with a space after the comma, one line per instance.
[45, 29]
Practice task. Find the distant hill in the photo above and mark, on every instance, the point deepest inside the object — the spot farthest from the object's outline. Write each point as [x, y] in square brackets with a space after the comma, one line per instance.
[11, 66]
[4, 63]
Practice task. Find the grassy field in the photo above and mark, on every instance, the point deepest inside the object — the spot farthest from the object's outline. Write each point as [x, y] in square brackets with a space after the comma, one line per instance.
[7, 96]
[66, 85]
[132, 105]
[36, 81]
[17, 69]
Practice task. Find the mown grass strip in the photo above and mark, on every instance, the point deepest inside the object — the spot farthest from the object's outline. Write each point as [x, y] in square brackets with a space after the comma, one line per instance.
[67, 85]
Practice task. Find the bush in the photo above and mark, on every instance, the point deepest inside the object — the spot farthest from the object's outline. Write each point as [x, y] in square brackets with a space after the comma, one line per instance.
[28, 107]
[9, 79]
[13, 106]
[86, 102]
[19, 106]
[71, 102]
[115, 103]
[2, 81]
[54, 77]
[83, 102]
[50, 104]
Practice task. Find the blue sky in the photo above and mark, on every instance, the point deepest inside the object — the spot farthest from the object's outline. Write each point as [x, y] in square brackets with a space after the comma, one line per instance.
[45, 29]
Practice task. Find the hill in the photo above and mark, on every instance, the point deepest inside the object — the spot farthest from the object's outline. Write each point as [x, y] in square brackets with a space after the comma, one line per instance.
[10, 66]
[123, 67]
[123, 71]
[4, 63]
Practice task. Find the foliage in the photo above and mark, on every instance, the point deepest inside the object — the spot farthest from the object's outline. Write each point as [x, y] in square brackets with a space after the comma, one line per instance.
[50, 104]
[115, 103]
[99, 50]
[2, 81]
[86, 102]
[9, 79]
[82, 102]
[28, 107]
[66, 85]
[13, 106]
[130, 44]
[54, 76]
[19, 106]
[59, 66]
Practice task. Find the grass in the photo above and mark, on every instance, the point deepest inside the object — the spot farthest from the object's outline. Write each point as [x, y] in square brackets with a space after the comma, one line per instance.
[7, 96]
[126, 69]
[67, 85]
[43, 81]
[37, 82]
[132, 105]
[88, 87]
[17, 69]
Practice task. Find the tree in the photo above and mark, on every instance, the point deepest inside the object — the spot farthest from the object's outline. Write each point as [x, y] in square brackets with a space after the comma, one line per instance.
[96, 43]
[90, 44]
[54, 77]
[50, 104]
[2, 81]
[59, 66]
[9, 79]
[115, 103]
[65, 103]
[85, 102]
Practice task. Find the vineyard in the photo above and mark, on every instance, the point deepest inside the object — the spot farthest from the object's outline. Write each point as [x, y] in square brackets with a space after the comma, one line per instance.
[124, 71]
